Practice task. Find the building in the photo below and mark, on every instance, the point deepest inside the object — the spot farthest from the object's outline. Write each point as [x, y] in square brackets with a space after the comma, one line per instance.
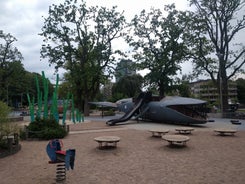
[124, 68]
[107, 90]
[206, 90]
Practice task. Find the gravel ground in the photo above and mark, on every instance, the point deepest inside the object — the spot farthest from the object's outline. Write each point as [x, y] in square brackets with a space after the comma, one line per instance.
[139, 157]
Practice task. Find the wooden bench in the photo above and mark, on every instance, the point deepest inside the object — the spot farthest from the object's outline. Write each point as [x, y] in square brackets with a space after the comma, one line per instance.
[184, 130]
[107, 141]
[176, 139]
[158, 132]
[225, 131]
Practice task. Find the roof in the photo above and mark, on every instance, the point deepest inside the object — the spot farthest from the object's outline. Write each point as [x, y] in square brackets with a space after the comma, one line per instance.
[104, 104]
[177, 100]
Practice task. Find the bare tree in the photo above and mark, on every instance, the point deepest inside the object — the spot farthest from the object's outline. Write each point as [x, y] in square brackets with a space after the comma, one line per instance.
[217, 50]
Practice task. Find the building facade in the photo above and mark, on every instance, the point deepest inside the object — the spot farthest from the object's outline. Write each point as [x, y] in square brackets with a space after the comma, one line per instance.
[206, 90]
[124, 68]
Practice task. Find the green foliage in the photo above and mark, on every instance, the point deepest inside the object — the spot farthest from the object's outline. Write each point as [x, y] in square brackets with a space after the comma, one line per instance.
[4, 112]
[13, 87]
[117, 96]
[158, 45]
[22, 134]
[46, 129]
[109, 112]
[184, 89]
[182, 86]
[6, 128]
[223, 32]
[127, 86]
[82, 44]
[216, 46]
[10, 66]
[241, 90]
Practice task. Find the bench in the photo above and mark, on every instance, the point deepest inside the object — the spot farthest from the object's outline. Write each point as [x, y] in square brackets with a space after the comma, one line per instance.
[158, 132]
[225, 131]
[107, 141]
[236, 122]
[176, 139]
[184, 130]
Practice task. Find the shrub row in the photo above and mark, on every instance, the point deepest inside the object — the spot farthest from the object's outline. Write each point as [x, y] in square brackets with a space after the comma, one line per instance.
[46, 129]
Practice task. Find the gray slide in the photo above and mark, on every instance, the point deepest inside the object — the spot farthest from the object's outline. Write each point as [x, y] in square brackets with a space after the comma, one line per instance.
[128, 115]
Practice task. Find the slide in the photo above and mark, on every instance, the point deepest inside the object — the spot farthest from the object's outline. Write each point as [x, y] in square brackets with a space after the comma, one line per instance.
[128, 115]
[142, 98]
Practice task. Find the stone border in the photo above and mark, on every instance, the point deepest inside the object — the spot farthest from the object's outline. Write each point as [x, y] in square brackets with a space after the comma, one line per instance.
[15, 149]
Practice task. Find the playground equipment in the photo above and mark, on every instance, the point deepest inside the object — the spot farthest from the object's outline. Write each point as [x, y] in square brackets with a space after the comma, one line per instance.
[64, 160]
[170, 109]
[44, 109]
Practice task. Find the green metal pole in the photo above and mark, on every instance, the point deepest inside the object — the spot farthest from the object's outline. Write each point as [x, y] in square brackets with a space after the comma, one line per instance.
[45, 87]
[39, 99]
[65, 106]
[31, 108]
[72, 110]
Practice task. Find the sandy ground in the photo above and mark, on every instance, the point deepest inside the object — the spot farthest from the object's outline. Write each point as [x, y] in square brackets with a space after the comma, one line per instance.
[139, 158]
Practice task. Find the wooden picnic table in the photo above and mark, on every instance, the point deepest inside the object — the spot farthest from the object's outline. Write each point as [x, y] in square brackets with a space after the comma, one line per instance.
[176, 139]
[225, 131]
[184, 130]
[158, 132]
[107, 141]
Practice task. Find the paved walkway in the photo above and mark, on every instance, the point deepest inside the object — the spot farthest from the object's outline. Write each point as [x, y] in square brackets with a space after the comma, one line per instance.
[218, 123]
[98, 130]
[141, 125]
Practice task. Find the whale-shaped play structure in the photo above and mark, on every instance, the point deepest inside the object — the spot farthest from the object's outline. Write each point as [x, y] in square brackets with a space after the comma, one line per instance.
[170, 109]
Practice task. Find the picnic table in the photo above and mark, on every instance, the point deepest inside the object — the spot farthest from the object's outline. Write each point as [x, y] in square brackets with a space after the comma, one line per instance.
[225, 131]
[184, 130]
[157, 132]
[176, 139]
[107, 141]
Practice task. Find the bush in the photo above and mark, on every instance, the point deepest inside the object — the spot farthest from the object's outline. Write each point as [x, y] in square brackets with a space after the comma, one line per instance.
[6, 128]
[22, 134]
[110, 112]
[4, 112]
[46, 129]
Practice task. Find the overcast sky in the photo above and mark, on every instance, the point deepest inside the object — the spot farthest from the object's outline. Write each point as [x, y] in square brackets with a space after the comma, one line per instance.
[23, 20]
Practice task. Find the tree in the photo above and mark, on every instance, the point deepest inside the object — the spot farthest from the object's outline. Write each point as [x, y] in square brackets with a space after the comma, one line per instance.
[215, 25]
[10, 65]
[79, 39]
[128, 86]
[15, 83]
[158, 45]
[241, 90]
[183, 87]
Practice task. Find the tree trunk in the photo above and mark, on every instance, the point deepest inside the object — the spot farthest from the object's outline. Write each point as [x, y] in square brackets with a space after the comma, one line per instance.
[223, 84]
[86, 106]
[78, 100]
[225, 95]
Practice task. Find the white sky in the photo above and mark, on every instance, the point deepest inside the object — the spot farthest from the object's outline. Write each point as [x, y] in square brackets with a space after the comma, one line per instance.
[23, 19]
